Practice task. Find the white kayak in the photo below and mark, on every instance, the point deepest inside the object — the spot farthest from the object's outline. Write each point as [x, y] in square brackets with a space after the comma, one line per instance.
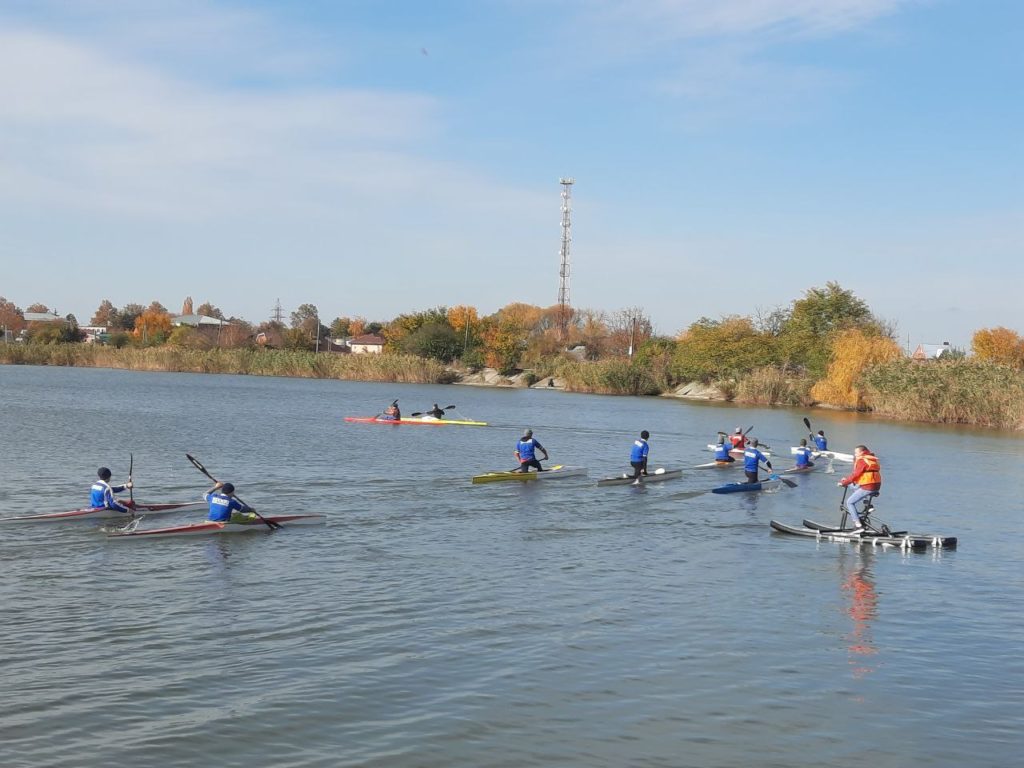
[827, 454]
[659, 475]
[719, 465]
[102, 513]
[555, 472]
[208, 527]
[737, 452]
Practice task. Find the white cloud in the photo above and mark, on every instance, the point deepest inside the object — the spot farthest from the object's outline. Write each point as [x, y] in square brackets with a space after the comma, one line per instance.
[716, 18]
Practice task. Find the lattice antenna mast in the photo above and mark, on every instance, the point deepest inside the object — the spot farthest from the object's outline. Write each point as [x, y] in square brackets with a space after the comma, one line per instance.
[564, 305]
[277, 313]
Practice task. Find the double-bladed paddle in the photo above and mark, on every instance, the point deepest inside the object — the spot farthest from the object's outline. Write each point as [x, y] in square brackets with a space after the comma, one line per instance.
[198, 465]
[420, 413]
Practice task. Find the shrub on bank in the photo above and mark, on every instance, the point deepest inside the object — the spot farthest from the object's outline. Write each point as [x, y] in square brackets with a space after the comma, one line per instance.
[964, 391]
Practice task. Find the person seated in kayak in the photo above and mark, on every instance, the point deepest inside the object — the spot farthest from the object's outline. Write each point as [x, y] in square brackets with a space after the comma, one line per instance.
[820, 441]
[722, 455]
[638, 456]
[436, 412]
[751, 458]
[225, 508]
[526, 450]
[392, 413]
[738, 439]
[866, 479]
[102, 493]
[803, 456]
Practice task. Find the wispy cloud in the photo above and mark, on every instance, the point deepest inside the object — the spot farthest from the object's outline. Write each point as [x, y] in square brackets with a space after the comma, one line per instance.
[727, 18]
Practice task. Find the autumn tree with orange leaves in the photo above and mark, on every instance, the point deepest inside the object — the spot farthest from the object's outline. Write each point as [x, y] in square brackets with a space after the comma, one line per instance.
[153, 326]
[999, 345]
[853, 351]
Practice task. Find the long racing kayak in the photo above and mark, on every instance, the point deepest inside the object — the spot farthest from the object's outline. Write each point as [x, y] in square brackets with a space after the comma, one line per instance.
[429, 421]
[555, 472]
[848, 457]
[896, 539]
[209, 527]
[769, 484]
[102, 513]
[719, 465]
[659, 475]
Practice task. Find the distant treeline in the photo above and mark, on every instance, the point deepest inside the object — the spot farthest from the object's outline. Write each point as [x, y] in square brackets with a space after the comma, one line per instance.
[255, 362]
[958, 391]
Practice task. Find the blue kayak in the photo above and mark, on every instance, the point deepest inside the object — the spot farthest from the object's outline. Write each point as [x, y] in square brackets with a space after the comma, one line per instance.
[769, 484]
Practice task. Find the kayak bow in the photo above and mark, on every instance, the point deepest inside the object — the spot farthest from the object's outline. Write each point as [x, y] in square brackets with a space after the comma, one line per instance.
[102, 513]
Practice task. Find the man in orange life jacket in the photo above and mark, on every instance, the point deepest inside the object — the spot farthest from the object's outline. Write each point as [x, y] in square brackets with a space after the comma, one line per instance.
[866, 478]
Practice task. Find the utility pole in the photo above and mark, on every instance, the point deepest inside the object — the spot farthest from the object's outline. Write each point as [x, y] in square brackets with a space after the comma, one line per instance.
[277, 314]
[564, 304]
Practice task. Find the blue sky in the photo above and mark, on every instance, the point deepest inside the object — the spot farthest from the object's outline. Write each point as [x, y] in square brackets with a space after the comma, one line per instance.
[374, 158]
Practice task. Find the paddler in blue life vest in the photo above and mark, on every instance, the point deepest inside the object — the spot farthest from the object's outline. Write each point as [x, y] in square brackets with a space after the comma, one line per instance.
[526, 452]
[102, 493]
[225, 508]
[820, 441]
[722, 455]
[392, 413]
[803, 456]
[751, 458]
[638, 456]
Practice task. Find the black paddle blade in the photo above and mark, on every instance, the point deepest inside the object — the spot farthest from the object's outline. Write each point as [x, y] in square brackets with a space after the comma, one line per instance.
[198, 465]
[807, 423]
[789, 483]
[448, 407]
[416, 413]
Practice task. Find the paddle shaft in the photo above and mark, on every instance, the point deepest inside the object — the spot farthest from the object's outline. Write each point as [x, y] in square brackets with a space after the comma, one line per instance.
[131, 466]
[198, 465]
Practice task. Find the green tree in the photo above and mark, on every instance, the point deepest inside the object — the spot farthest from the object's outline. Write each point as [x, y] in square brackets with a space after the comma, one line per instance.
[307, 319]
[341, 328]
[403, 326]
[435, 340]
[721, 349]
[805, 337]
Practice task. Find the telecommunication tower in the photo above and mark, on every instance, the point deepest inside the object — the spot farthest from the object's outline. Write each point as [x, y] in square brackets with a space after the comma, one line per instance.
[277, 315]
[564, 306]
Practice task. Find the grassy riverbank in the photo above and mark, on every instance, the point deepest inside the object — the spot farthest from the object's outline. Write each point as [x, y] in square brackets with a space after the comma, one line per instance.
[254, 362]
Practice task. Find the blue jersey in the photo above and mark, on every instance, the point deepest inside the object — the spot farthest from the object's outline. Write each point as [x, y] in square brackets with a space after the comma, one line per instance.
[102, 496]
[527, 447]
[639, 452]
[820, 442]
[751, 457]
[803, 456]
[722, 452]
[221, 507]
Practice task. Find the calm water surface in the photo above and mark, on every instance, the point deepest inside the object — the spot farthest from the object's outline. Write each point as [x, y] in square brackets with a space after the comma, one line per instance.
[437, 623]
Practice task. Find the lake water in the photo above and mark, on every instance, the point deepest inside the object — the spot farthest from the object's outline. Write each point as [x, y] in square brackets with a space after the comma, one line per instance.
[437, 623]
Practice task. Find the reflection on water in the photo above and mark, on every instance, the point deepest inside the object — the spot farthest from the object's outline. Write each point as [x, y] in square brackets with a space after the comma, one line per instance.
[858, 588]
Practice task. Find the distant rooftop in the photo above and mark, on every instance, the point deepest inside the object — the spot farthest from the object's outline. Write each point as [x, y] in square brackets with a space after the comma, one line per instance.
[41, 317]
[197, 320]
